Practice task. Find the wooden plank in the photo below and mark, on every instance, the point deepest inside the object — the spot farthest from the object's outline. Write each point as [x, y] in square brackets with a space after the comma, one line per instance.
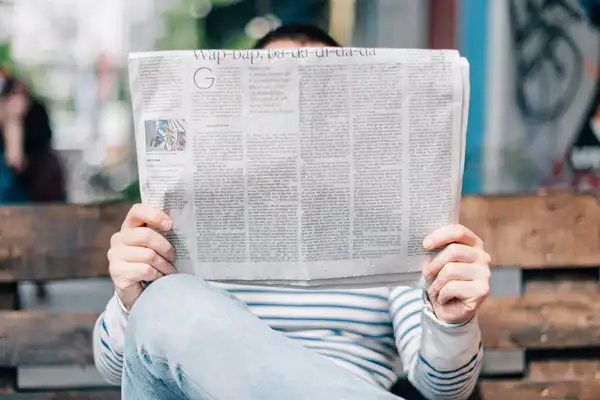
[547, 230]
[57, 241]
[555, 370]
[40, 338]
[560, 281]
[60, 377]
[8, 301]
[66, 395]
[526, 390]
[552, 379]
[542, 319]
[539, 320]
[554, 229]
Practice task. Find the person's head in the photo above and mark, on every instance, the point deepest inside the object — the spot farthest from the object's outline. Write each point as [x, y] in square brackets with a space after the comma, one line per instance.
[296, 35]
[7, 86]
[10, 86]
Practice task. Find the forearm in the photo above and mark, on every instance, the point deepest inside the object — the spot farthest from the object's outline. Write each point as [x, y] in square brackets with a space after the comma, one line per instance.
[448, 363]
[13, 136]
[109, 338]
[442, 360]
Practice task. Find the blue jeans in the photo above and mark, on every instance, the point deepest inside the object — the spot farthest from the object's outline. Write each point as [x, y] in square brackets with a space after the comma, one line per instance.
[188, 340]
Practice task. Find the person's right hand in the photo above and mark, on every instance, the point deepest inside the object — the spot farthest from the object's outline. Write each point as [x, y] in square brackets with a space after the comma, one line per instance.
[139, 253]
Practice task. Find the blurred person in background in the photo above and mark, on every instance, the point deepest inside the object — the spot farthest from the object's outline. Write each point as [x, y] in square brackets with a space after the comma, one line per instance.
[30, 172]
[181, 337]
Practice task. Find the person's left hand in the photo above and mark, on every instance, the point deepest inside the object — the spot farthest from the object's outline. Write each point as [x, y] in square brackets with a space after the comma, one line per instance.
[463, 273]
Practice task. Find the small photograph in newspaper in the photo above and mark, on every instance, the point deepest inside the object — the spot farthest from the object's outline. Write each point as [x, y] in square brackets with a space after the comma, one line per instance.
[165, 135]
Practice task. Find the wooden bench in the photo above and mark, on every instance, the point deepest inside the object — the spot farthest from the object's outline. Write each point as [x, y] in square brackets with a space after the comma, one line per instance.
[541, 325]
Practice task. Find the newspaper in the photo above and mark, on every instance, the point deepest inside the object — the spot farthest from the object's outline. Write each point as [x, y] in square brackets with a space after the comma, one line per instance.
[310, 167]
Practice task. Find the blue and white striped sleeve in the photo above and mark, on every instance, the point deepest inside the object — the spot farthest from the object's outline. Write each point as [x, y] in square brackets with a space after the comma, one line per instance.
[109, 341]
[443, 361]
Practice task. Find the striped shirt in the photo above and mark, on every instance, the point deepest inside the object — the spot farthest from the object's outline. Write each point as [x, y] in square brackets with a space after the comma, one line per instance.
[363, 330]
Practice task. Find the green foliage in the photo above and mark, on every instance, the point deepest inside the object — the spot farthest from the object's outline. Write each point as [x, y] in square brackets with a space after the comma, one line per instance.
[5, 59]
[4, 53]
[181, 31]
[223, 3]
[239, 41]
[132, 192]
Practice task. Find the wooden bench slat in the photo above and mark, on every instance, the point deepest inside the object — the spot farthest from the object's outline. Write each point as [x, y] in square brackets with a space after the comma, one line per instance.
[542, 319]
[523, 389]
[551, 379]
[536, 320]
[550, 370]
[9, 299]
[39, 338]
[57, 241]
[558, 229]
[534, 231]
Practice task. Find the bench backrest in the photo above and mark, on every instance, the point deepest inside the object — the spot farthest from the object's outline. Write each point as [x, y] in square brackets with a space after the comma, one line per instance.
[545, 299]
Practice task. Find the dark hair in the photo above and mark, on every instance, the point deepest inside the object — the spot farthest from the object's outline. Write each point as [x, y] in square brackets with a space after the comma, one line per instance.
[299, 32]
[9, 85]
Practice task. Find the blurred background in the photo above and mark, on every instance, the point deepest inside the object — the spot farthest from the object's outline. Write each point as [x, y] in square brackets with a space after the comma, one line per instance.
[533, 68]
[73, 54]
[534, 117]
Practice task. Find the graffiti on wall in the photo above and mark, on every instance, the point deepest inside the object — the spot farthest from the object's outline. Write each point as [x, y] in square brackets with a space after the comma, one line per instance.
[542, 26]
[553, 75]
[583, 156]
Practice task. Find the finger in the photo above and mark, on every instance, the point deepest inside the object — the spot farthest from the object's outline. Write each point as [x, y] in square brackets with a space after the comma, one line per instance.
[146, 237]
[452, 234]
[143, 214]
[142, 255]
[137, 272]
[454, 252]
[453, 271]
[471, 293]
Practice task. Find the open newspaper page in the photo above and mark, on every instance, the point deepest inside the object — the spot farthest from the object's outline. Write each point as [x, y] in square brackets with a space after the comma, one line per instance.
[313, 167]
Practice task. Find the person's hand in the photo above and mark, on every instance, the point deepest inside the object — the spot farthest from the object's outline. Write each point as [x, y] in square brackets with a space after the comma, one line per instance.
[139, 253]
[16, 106]
[15, 158]
[461, 271]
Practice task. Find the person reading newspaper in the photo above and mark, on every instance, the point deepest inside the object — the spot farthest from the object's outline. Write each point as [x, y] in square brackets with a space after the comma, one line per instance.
[182, 337]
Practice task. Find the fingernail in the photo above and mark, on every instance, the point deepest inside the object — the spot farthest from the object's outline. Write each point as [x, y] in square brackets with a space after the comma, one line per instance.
[426, 272]
[427, 243]
[165, 224]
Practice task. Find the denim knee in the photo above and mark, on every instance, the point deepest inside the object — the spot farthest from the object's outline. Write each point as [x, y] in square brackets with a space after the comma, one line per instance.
[175, 291]
[169, 290]
[175, 305]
